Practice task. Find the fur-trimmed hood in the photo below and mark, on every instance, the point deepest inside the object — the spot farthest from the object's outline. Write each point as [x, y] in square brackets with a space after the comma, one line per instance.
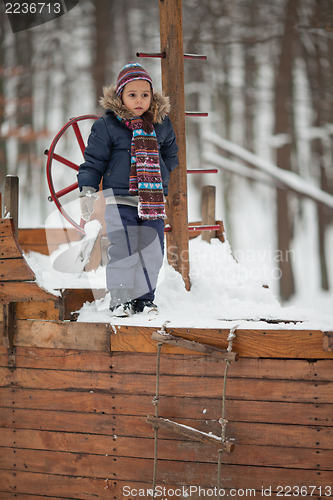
[159, 107]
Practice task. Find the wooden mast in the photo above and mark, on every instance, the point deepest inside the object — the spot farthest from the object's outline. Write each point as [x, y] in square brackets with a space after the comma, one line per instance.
[171, 34]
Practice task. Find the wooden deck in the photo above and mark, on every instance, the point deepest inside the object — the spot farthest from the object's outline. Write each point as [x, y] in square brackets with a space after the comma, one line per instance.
[74, 398]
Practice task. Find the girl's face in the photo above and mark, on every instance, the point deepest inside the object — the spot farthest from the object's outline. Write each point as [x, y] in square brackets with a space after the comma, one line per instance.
[136, 96]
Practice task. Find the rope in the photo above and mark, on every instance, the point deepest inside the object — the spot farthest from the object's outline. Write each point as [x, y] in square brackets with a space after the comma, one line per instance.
[155, 402]
[223, 421]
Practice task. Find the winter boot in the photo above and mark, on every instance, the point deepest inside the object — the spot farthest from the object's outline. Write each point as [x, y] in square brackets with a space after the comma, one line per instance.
[146, 306]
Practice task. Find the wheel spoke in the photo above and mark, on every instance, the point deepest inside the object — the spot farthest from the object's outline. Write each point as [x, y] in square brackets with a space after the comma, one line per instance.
[79, 137]
[66, 162]
[67, 190]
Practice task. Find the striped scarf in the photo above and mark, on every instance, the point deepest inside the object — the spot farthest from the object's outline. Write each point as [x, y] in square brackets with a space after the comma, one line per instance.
[145, 174]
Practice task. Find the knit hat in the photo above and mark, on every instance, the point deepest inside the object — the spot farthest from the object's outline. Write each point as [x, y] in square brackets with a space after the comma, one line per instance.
[131, 71]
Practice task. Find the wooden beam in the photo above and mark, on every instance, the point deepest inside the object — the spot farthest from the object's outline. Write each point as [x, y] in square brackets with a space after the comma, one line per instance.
[171, 34]
[190, 432]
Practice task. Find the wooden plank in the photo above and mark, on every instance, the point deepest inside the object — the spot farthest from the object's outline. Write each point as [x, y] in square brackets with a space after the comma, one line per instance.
[248, 343]
[54, 379]
[316, 437]
[132, 469]
[57, 421]
[168, 449]
[59, 359]
[62, 463]
[169, 407]
[170, 364]
[85, 489]
[47, 310]
[9, 248]
[54, 486]
[63, 335]
[263, 390]
[282, 369]
[59, 441]
[15, 270]
[23, 292]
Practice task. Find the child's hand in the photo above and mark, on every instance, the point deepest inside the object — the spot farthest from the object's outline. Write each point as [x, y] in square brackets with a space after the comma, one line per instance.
[88, 196]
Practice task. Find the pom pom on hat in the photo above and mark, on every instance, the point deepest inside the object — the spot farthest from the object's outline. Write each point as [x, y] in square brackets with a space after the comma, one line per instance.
[131, 71]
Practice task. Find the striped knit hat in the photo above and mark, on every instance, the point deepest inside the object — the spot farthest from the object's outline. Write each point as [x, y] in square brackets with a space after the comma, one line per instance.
[131, 71]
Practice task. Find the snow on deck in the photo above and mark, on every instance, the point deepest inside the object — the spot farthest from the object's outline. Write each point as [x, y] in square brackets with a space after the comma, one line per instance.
[223, 294]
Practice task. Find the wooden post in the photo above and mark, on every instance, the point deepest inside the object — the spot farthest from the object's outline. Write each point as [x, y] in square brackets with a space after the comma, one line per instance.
[10, 199]
[171, 34]
[208, 211]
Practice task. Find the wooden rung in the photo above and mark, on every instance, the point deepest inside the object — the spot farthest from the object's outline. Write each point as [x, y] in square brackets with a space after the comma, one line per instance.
[194, 346]
[190, 432]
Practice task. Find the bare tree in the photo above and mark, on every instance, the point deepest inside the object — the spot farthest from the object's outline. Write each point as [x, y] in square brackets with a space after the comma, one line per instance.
[284, 126]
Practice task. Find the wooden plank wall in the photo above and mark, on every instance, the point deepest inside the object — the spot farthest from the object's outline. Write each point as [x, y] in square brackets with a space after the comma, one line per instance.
[73, 423]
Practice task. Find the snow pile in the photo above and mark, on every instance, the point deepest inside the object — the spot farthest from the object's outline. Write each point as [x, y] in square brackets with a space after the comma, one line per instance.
[223, 293]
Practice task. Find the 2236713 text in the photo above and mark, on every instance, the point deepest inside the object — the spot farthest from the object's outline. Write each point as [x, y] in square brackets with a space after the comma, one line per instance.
[303, 491]
[33, 8]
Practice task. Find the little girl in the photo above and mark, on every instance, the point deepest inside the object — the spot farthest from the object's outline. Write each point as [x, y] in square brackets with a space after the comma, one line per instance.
[133, 149]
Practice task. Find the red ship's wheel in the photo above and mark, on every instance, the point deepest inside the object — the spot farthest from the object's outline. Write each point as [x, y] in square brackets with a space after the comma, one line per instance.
[53, 158]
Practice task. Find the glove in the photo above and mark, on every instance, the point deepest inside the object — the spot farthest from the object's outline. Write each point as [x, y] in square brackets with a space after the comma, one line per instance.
[88, 196]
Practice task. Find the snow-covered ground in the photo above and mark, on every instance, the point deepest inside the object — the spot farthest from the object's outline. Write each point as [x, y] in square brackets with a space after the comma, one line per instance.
[223, 294]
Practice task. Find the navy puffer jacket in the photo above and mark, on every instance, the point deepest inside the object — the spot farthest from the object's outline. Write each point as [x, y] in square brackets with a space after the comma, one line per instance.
[108, 152]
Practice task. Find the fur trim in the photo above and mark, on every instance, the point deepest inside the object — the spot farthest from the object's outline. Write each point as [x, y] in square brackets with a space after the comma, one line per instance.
[159, 107]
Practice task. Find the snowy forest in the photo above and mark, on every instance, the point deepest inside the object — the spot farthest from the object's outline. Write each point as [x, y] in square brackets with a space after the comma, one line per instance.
[266, 85]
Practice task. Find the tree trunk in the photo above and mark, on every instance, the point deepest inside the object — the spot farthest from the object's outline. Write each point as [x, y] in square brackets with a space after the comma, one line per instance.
[284, 125]
[319, 72]
[102, 42]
